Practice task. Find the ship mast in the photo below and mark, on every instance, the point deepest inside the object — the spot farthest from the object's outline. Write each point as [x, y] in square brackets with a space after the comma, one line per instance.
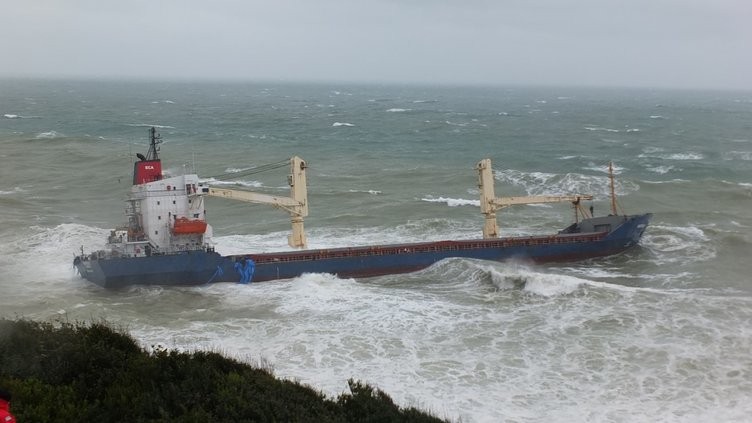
[154, 139]
[613, 193]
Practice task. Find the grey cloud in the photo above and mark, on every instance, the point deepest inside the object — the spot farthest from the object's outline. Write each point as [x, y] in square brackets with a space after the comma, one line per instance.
[663, 43]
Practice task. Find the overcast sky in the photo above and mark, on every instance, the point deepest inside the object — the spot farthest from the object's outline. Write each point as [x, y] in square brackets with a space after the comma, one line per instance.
[641, 43]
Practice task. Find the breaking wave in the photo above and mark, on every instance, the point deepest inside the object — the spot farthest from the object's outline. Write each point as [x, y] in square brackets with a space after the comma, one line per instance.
[249, 184]
[370, 191]
[678, 244]
[598, 128]
[541, 183]
[49, 135]
[659, 153]
[14, 191]
[661, 170]
[149, 125]
[533, 282]
[737, 155]
[452, 202]
[683, 156]
[15, 116]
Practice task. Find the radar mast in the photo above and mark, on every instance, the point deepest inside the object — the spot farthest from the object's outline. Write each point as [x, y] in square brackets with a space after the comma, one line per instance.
[154, 139]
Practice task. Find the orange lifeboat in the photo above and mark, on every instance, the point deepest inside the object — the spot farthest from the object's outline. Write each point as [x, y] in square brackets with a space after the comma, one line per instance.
[185, 226]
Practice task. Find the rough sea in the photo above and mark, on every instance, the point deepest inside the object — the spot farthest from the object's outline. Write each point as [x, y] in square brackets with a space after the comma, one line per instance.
[661, 333]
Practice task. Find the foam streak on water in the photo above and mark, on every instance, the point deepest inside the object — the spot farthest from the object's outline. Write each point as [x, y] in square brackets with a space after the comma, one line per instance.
[659, 333]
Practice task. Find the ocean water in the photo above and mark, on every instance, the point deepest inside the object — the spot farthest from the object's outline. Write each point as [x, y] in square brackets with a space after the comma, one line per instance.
[659, 333]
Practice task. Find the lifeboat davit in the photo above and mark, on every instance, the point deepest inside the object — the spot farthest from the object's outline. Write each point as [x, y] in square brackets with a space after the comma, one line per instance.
[185, 226]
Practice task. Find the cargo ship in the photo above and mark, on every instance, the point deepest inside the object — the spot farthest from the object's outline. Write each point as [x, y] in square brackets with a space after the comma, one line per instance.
[167, 240]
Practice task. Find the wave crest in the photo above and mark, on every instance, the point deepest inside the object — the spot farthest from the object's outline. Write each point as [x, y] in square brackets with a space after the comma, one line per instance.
[541, 183]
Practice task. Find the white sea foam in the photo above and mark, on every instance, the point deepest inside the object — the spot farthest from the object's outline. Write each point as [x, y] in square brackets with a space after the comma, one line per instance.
[652, 150]
[49, 135]
[534, 282]
[250, 184]
[237, 169]
[737, 155]
[512, 275]
[672, 181]
[15, 190]
[342, 124]
[541, 183]
[592, 272]
[149, 125]
[661, 169]
[452, 202]
[678, 244]
[39, 262]
[659, 153]
[604, 168]
[370, 191]
[657, 117]
[602, 129]
[598, 128]
[15, 116]
[684, 156]
[397, 110]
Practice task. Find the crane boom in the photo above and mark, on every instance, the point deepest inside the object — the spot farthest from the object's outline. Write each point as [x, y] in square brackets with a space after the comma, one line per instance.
[296, 204]
[285, 203]
[502, 202]
[490, 204]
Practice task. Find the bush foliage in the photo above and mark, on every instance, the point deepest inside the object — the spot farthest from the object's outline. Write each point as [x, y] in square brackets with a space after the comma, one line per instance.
[92, 372]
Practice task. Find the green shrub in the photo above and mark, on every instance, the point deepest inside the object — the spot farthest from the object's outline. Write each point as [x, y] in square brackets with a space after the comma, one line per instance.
[79, 372]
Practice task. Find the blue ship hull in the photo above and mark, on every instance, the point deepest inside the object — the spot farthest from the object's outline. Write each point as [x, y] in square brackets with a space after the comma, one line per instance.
[202, 267]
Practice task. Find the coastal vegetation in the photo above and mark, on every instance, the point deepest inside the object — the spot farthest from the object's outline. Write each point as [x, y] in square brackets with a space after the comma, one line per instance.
[93, 372]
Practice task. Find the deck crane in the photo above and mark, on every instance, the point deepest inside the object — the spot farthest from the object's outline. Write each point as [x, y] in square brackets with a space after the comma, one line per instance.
[490, 204]
[296, 204]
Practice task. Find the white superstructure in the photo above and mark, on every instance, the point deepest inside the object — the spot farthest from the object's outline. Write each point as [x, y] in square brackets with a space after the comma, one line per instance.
[164, 216]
